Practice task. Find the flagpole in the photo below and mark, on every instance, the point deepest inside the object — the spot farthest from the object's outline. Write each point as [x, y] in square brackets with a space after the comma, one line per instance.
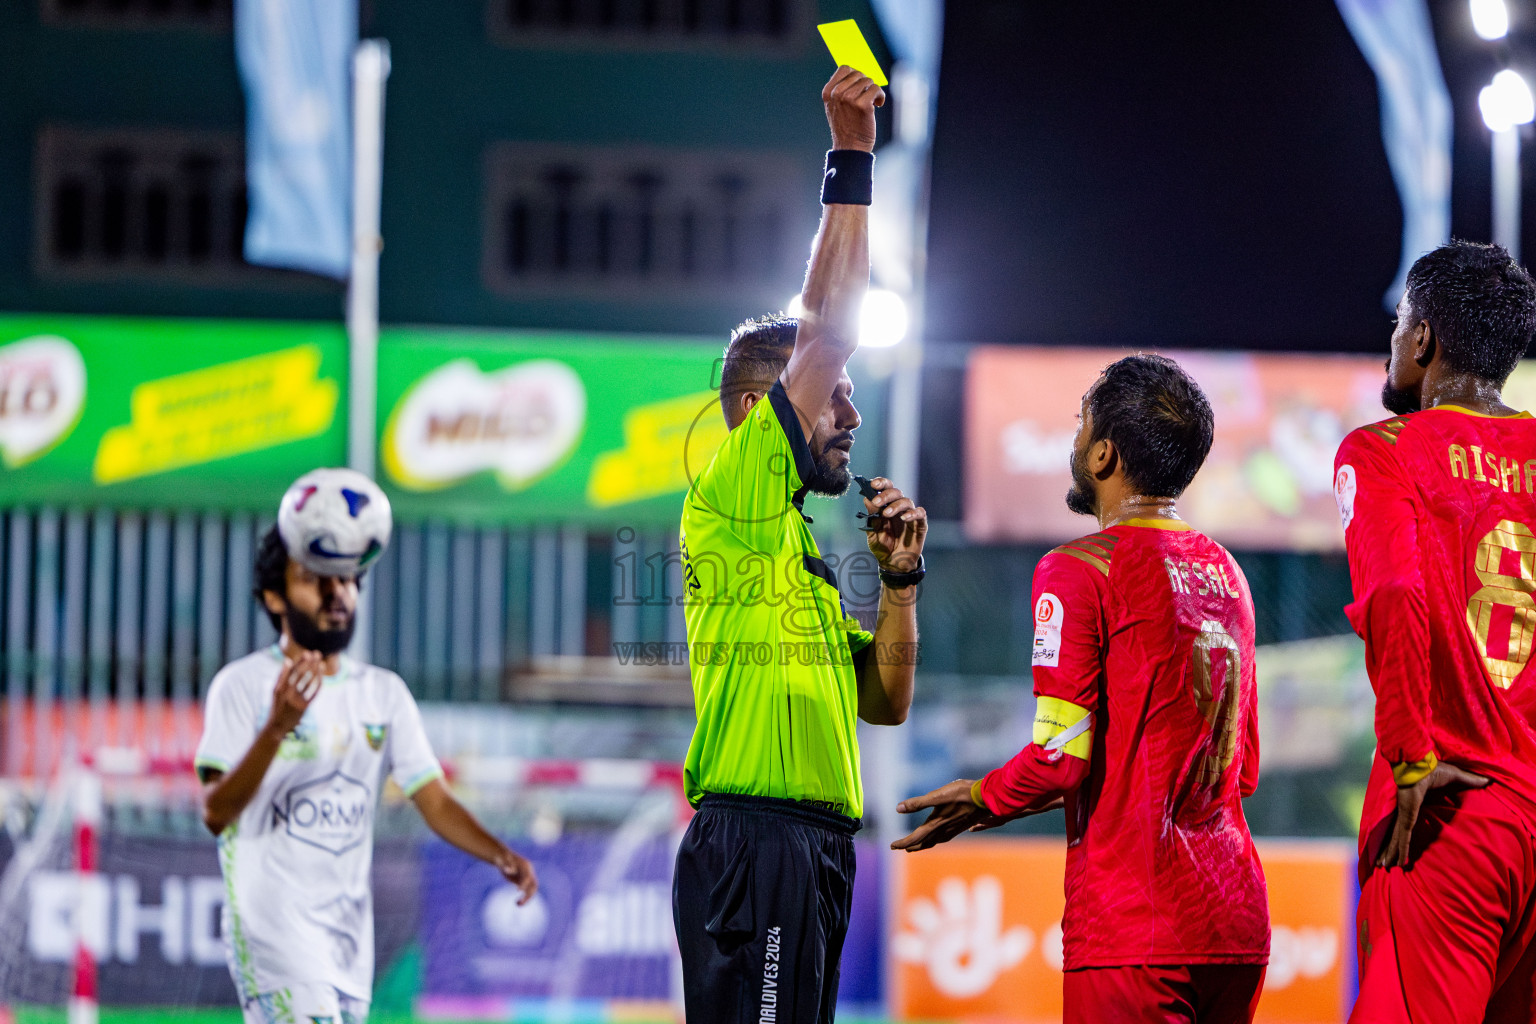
[370, 69]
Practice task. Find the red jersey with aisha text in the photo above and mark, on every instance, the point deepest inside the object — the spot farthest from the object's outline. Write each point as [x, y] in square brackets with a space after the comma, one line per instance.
[1147, 721]
[1439, 513]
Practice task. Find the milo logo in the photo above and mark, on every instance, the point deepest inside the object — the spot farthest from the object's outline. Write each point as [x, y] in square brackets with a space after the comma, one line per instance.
[333, 813]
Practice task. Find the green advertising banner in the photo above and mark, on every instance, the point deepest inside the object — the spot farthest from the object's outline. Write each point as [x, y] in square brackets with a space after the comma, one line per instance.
[474, 426]
[141, 413]
[499, 427]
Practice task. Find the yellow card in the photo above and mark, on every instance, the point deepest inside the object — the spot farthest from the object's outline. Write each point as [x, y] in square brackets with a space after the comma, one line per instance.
[849, 49]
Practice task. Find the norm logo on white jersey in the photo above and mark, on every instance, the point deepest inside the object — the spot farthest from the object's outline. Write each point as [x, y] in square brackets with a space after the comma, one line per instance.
[333, 813]
[1049, 614]
[1344, 493]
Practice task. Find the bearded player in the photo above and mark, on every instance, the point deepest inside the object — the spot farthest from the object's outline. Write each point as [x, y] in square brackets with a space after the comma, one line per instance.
[297, 742]
[1145, 725]
[1439, 512]
[764, 882]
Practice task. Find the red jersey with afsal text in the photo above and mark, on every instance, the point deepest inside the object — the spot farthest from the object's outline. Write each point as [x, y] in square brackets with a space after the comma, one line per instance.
[1439, 514]
[1146, 720]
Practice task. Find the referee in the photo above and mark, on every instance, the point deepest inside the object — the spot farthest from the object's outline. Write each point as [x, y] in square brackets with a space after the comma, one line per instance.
[764, 879]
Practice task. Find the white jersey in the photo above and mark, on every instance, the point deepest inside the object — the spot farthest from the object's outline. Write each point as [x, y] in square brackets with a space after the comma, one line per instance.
[298, 905]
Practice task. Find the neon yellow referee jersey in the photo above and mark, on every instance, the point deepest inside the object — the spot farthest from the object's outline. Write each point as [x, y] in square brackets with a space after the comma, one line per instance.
[771, 650]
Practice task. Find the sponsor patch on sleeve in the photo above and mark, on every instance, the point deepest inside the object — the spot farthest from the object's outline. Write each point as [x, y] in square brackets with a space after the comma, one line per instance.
[1048, 617]
[1344, 493]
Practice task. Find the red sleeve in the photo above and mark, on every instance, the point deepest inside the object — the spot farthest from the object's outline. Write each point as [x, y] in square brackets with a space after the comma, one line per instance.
[1380, 511]
[1068, 661]
[1248, 780]
[1248, 777]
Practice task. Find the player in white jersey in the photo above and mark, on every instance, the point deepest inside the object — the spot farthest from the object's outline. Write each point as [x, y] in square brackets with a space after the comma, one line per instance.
[296, 744]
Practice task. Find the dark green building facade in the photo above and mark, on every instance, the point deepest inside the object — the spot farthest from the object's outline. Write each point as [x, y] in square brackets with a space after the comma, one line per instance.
[632, 165]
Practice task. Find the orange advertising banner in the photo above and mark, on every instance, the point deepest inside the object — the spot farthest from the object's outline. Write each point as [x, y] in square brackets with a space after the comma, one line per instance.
[1312, 894]
[976, 933]
[1268, 482]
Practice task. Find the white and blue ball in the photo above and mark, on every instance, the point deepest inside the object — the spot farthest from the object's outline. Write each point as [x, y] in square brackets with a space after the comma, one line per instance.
[335, 522]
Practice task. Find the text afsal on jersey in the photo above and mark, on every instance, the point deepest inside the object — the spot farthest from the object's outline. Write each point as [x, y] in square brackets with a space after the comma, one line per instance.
[1200, 578]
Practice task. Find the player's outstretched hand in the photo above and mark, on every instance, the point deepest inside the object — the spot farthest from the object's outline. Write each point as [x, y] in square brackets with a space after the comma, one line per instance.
[851, 98]
[298, 682]
[897, 527]
[1397, 850]
[953, 813]
[515, 868]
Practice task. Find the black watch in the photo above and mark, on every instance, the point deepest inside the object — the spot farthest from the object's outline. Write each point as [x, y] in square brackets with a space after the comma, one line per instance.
[891, 578]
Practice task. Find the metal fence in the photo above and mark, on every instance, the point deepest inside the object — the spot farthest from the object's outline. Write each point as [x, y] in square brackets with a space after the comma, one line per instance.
[103, 606]
[124, 617]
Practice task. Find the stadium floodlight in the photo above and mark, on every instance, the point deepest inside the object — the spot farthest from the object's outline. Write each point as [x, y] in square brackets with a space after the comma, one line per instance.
[1490, 19]
[1506, 102]
[883, 318]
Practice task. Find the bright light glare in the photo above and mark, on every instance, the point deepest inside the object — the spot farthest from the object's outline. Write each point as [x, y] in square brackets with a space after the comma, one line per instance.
[1507, 102]
[1490, 18]
[883, 318]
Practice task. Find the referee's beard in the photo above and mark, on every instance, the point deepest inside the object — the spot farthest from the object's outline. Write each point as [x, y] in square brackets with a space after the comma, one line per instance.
[830, 472]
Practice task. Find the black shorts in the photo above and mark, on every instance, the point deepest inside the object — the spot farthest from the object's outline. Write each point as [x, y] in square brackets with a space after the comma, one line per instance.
[761, 899]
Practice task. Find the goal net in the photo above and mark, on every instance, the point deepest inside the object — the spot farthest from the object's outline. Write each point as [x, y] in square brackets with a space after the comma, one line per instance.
[111, 898]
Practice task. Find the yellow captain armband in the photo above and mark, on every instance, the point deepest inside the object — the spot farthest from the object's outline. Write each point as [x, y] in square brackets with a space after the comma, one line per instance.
[1062, 725]
[976, 794]
[1408, 773]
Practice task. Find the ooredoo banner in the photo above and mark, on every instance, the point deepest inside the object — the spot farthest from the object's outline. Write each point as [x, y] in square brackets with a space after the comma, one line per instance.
[1268, 482]
[976, 932]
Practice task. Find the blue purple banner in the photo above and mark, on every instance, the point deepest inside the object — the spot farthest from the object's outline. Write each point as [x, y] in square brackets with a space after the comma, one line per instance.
[599, 928]
[599, 931]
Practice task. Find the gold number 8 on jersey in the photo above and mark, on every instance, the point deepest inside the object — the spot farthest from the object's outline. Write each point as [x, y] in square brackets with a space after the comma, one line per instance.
[1514, 545]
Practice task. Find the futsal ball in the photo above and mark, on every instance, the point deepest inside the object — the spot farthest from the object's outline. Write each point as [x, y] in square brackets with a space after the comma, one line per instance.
[334, 522]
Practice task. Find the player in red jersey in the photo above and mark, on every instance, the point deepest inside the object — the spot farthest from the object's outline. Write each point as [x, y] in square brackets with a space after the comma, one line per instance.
[1145, 725]
[1439, 512]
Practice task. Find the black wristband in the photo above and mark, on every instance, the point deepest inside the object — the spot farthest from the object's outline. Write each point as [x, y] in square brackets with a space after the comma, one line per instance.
[898, 580]
[849, 178]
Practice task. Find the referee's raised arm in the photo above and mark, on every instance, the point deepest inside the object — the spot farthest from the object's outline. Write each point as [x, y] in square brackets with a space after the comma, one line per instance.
[838, 274]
